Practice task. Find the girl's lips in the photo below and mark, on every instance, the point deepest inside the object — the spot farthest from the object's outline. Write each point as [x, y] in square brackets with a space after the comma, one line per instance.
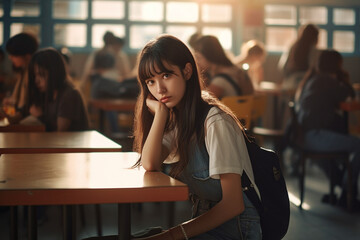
[164, 99]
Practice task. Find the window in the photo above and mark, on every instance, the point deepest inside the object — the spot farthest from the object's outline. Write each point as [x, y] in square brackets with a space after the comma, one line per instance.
[108, 10]
[81, 24]
[146, 11]
[64, 35]
[338, 26]
[25, 8]
[70, 9]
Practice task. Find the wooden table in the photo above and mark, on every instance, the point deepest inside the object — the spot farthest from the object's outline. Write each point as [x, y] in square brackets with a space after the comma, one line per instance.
[84, 178]
[52, 142]
[352, 115]
[276, 91]
[5, 126]
[56, 142]
[103, 105]
[350, 106]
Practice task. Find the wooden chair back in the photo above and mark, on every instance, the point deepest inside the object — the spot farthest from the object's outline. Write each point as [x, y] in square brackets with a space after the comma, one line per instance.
[242, 106]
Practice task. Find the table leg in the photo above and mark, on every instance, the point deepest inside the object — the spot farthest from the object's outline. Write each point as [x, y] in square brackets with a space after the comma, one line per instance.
[14, 222]
[32, 223]
[124, 221]
[69, 222]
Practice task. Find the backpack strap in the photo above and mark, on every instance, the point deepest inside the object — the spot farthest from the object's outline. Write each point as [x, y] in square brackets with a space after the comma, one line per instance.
[231, 81]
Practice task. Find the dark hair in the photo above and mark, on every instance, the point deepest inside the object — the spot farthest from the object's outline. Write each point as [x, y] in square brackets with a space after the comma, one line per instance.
[193, 38]
[299, 53]
[211, 49]
[49, 62]
[22, 44]
[329, 61]
[194, 104]
[108, 38]
[104, 60]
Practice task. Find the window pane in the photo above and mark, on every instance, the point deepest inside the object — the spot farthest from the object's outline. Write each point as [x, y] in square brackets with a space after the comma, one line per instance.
[223, 34]
[146, 11]
[315, 15]
[279, 39]
[141, 34]
[322, 40]
[280, 14]
[16, 28]
[344, 16]
[98, 31]
[108, 9]
[25, 8]
[70, 9]
[181, 32]
[70, 35]
[216, 13]
[1, 33]
[344, 41]
[182, 12]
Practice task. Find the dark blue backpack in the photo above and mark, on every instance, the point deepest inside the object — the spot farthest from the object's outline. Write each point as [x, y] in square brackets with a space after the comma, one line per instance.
[274, 207]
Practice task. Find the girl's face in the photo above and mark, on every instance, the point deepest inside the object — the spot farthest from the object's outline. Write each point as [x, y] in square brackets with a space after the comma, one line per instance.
[169, 87]
[20, 61]
[41, 78]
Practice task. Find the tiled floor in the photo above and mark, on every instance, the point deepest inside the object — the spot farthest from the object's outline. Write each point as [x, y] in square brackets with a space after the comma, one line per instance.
[321, 221]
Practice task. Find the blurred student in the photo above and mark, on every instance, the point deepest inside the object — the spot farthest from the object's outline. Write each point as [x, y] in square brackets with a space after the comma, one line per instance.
[52, 98]
[121, 69]
[251, 59]
[225, 79]
[317, 107]
[301, 56]
[20, 49]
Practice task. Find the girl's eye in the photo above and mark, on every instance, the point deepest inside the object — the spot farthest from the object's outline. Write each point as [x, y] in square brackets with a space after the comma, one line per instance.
[166, 75]
[149, 82]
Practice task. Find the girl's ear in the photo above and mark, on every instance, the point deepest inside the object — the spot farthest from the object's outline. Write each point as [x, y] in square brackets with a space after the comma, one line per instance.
[188, 71]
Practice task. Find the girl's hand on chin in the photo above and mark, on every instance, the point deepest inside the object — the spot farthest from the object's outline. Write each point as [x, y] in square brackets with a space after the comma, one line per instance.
[155, 106]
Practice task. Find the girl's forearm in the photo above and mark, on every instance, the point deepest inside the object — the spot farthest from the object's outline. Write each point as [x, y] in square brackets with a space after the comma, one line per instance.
[152, 151]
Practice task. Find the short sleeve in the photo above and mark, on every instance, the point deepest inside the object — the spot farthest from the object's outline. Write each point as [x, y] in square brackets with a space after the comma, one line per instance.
[226, 145]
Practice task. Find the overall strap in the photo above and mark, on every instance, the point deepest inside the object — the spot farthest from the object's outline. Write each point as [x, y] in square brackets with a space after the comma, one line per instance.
[231, 81]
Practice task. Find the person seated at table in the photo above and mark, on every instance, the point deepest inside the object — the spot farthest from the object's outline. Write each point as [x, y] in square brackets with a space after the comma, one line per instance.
[317, 109]
[20, 48]
[176, 122]
[226, 79]
[251, 59]
[52, 97]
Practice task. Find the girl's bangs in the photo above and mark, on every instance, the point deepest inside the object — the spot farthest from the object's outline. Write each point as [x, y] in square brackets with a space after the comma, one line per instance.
[150, 66]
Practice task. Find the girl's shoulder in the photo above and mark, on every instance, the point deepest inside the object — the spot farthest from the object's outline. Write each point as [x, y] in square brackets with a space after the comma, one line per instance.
[216, 114]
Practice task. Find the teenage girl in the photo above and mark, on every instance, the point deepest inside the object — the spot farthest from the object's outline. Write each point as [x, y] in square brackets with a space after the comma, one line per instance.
[52, 98]
[178, 125]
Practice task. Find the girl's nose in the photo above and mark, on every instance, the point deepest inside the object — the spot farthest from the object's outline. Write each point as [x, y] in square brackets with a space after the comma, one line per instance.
[161, 88]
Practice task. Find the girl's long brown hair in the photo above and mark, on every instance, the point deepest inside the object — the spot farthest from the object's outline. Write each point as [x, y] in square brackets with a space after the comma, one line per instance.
[194, 104]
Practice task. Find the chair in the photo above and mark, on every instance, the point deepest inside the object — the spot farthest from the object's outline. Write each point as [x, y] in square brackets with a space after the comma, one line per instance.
[295, 139]
[275, 135]
[241, 107]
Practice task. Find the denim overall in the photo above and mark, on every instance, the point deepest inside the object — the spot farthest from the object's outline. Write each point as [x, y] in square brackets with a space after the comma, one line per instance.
[205, 192]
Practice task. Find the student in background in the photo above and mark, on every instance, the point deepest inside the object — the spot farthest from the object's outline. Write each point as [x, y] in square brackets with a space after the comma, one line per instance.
[317, 108]
[121, 69]
[175, 122]
[251, 59]
[52, 98]
[301, 57]
[226, 79]
[20, 49]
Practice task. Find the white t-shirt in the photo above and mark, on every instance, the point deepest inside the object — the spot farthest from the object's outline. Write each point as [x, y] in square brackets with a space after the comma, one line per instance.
[225, 144]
